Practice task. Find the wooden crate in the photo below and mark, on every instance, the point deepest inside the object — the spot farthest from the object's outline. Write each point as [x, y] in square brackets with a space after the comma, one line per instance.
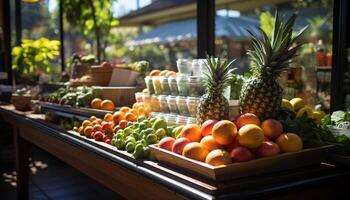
[121, 96]
[100, 75]
[260, 166]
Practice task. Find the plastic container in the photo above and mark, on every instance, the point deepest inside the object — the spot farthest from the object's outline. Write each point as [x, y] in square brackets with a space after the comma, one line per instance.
[146, 98]
[138, 96]
[181, 103]
[184, 66]
[165, 85]
[155, 105]
[149, 84]
[196, 67]
[196, 87]
[170, 119]
[157, 85]
[173, 86]
[172, 104]
[163, 104]
[192, 103]
[153, 114]
[181, 120]
[161, 116]
[191, 120]
[203, 67]
[182, 85]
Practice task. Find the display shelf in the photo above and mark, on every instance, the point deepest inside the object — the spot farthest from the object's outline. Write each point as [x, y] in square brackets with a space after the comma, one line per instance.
[105, 164]
[66, 111]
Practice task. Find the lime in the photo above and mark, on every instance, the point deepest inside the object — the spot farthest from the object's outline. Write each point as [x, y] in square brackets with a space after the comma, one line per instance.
[120, 144]
[161, 133]
[130, 147]
[151, 138]
[141, 118]
[159, 123]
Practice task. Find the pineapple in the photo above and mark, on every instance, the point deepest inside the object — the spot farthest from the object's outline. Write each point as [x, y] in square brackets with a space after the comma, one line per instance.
[213, 105]
[261, 94]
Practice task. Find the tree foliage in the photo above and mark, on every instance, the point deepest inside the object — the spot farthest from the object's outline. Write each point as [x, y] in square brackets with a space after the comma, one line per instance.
[35, 55]
[93, 16]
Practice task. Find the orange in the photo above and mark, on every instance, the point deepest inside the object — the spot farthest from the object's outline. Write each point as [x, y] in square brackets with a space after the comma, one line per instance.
[170, 73]
[107, 105]
[81, 130]
[191, 132]
[97, 121]
[86, 123]
[155, 72]
[88, 131]
[247, 118]
[125, 109]
[218, 157]
[250, 136]
[209, 143]
[92, 118]
[224, 132]
[118, 116]
[289, 142]
[108, 117]
[96, 103]
[97, 127]
[162, 73]
[134, 111]
[196, 151]
[130, 117]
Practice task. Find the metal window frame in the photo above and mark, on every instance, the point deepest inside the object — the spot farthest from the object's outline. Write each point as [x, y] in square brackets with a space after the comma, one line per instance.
[205, 28]
[340, 45]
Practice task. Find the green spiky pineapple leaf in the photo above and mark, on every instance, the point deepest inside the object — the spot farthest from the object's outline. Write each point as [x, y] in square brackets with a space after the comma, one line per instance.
[271, 55]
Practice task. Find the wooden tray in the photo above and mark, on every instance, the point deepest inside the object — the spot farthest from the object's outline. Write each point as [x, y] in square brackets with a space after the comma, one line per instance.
[238, 170]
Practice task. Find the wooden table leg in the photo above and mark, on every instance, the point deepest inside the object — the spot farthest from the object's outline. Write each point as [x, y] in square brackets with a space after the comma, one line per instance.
[23, 150]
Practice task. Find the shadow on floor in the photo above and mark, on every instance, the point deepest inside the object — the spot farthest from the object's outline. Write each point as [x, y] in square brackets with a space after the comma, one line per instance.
[50, 179]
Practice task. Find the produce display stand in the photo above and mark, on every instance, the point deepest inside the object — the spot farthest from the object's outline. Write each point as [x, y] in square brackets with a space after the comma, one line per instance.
[133, 179]
[68, 111]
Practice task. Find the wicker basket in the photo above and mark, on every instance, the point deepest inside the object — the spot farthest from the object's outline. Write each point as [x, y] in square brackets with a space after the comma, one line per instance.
[100, 75]
[21, 103]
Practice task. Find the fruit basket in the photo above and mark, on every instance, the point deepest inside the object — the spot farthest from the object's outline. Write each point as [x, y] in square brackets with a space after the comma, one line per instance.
[281, 162]
[21, 102]
[100, 75]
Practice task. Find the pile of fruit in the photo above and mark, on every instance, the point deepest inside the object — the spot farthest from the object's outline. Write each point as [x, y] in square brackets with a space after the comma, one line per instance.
[80, 96]
[128, 125]
[224, 142]
[106, 104]
[297, 105]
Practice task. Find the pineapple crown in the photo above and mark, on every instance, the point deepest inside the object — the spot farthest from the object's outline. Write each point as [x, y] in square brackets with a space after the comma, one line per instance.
[219, 74]
[271, 56]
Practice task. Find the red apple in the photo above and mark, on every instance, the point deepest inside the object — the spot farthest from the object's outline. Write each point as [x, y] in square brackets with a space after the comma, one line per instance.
[272, 128]
[179, 145]
[232, 145]
[108, 141]
[123, 123]
[268, 149]
[207, 127]
[166, 143]
[241, 154]
[98, 135]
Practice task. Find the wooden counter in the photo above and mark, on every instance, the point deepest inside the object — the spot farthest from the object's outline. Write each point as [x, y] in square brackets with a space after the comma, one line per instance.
[135, 179]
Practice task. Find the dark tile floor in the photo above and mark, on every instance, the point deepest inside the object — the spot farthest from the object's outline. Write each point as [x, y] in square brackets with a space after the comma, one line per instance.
[50, 179]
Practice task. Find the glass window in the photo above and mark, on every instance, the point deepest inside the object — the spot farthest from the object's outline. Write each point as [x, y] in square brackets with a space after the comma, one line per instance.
[309, 76]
